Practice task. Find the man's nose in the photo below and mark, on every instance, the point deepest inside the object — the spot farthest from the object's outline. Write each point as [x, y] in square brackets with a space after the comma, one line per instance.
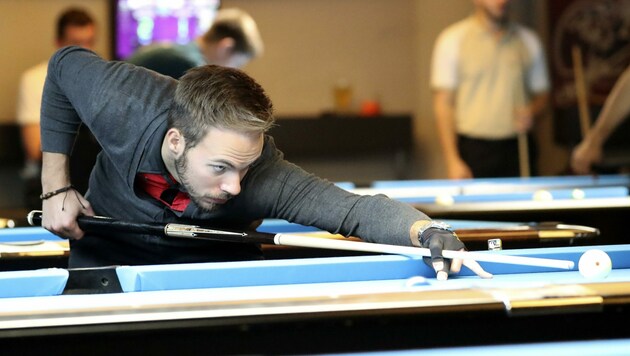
[231, 184]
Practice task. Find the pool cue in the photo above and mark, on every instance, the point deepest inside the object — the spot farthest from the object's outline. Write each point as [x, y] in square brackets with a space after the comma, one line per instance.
[523, 154]
[525, 232]
[523, 144]
[105, 224]
[581, 90]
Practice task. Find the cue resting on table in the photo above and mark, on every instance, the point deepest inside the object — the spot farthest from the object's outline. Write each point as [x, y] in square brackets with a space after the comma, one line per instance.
[171, 230]
[528, 232]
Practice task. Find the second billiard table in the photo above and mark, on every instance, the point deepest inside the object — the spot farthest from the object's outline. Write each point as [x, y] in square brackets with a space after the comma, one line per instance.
[601, 202]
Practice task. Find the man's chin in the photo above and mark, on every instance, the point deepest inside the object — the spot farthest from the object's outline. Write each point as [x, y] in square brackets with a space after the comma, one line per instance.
[209, 205]
[206, 205]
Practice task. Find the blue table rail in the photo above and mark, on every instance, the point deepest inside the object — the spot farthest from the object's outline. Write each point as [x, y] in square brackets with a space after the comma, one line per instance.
[317, 271]
[507, 185]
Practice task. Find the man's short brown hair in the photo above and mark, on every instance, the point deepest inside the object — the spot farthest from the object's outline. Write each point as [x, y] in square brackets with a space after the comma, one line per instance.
[214, 96]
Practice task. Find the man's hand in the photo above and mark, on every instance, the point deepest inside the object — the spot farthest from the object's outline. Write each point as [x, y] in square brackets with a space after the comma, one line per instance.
[458, 169]
[436, 240]
[60, 212]
[523, 119]
[61, 208]
[584, 155]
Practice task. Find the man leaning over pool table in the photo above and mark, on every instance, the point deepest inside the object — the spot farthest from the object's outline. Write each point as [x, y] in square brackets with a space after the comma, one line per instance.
[193, 151]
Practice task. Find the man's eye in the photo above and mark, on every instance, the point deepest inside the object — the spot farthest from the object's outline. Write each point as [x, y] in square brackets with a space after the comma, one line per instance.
[218, 168]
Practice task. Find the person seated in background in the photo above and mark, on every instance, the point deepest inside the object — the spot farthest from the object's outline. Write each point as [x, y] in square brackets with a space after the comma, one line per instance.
[616, 109]
[232, 41]
[194, 151]
[75, 26]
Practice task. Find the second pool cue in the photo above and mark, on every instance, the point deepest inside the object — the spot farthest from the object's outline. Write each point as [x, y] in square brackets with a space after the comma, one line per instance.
[523, 154]
[581, 90]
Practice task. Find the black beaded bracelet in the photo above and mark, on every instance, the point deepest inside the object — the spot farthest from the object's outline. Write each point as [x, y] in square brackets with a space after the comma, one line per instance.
[55, 192]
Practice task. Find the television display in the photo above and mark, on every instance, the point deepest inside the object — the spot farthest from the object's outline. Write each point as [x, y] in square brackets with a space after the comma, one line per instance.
[141, 22]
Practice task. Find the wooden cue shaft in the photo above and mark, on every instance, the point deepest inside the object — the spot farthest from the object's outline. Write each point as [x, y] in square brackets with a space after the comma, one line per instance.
[530, 231]
[103, 224]
[581, 91]
[523, 155]
[304, 241]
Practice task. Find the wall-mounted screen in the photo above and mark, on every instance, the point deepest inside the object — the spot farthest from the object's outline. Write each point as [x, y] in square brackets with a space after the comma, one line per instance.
[141, 22]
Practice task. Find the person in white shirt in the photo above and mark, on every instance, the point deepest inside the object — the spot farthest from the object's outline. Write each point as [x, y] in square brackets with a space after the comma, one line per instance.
[490, 81]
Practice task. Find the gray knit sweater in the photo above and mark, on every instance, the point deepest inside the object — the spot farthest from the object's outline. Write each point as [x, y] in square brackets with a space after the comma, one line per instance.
[125, 107]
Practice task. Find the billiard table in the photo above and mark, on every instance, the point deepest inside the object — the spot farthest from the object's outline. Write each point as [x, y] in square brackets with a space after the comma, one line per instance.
[505, 185]
[601, 202]
[318, 305]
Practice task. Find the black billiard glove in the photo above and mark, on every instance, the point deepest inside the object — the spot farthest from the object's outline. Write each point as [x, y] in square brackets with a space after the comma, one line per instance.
[437, 237]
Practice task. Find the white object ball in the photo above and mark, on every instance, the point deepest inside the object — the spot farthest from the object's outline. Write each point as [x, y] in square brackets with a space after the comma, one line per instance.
[578, 194]
[444, 200]
[595, 264]
[542, 195]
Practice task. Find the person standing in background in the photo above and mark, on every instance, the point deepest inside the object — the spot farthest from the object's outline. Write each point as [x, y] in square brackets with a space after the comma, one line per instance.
[232, 41]
[490, 81]
[75, 26]
[615, 111]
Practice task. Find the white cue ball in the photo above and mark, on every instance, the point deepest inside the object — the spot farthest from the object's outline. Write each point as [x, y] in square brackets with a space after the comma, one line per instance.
[444, 199]
[594, 264]
[542, 195]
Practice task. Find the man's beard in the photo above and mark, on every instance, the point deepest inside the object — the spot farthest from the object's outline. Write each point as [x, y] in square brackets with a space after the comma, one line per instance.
[181, 167]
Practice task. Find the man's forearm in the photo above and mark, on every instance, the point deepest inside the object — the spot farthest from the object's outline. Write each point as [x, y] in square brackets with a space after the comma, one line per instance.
[615, 110]
[55, 171]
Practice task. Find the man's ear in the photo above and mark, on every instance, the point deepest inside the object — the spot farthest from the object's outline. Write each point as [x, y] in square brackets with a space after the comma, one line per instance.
[175, 142]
